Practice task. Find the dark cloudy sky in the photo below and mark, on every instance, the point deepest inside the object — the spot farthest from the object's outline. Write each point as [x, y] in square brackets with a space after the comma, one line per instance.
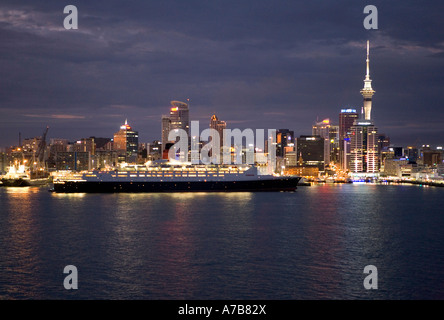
[255, 63]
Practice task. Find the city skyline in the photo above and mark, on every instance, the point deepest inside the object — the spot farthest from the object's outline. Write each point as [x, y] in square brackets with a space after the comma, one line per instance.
[126, 63]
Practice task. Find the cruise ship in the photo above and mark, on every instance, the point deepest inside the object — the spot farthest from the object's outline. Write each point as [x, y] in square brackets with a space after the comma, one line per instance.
[175, 178]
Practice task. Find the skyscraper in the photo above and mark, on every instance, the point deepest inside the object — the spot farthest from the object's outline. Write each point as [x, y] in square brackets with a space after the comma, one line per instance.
[126, 141]
[179, 116]
[364, 134]
[219, 126]
[346, 119]
[334, 143]
[177, 119]
[322, 129]
[166, 127]
[284, 138]
[364, 148]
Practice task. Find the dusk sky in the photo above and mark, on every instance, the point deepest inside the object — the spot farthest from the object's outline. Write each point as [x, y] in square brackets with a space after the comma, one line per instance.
[256, 64]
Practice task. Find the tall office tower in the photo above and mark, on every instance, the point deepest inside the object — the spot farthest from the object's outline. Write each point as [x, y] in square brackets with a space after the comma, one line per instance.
[334, 144]
[179, 116]
[364, 134]
[126, 141]
[364, 147]
[284, 138]
[322, 129]
[219, 126]
[166, 127]
[346, 119]
[311, 150]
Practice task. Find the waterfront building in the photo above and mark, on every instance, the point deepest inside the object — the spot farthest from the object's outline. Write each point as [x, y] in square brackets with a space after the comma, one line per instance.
[396, 167]
[299, 169]
[311, 150]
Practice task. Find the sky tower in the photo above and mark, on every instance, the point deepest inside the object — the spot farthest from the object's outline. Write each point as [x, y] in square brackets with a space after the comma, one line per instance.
[363, 144]
[367, 92]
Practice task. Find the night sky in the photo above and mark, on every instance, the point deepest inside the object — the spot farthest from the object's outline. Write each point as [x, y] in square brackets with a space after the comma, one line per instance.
[255, 63]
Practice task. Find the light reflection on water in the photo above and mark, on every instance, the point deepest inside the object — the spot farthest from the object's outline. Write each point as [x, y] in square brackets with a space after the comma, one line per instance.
[312, 244]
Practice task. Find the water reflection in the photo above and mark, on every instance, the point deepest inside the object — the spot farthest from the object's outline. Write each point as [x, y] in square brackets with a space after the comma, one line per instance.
[313, 243]
[324, 246]
[22, 190]
[20, 243]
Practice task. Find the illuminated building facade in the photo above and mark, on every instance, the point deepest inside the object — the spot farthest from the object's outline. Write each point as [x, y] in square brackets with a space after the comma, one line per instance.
[73, 161]
[284, 139]
[364, 148]
[180, 116]
[219, 126]
[166, 127]
[85, 145]
[311, 150]
[334, 144]
[322, 129]
[126, 142]
[346, 119]
[3, 163]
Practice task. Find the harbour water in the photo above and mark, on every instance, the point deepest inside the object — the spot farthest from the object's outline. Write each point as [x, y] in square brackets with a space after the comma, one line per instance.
[310, 244]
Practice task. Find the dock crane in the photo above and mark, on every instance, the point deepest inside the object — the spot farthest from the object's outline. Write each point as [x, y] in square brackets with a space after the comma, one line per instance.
[38, 156]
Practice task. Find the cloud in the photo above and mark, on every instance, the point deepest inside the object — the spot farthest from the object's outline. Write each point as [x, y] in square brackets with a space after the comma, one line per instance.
[55, 116]
[272, 63]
